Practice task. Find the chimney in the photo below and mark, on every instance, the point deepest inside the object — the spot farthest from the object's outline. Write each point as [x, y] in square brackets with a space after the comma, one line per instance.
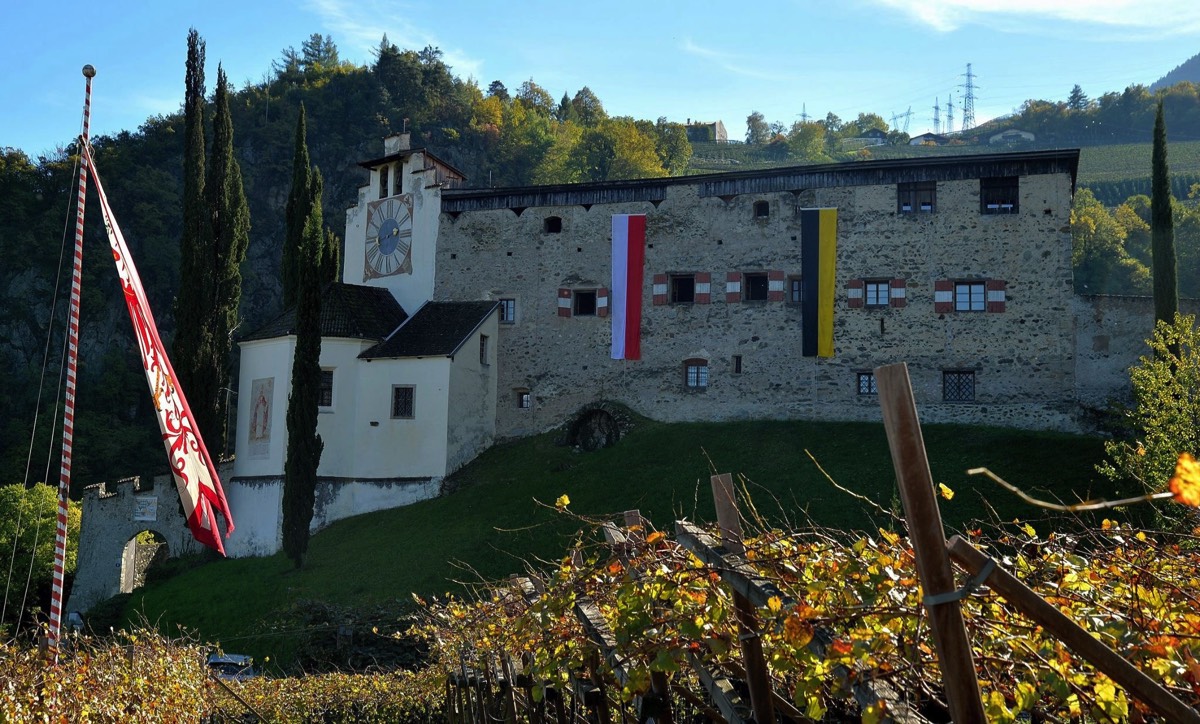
[396, 143]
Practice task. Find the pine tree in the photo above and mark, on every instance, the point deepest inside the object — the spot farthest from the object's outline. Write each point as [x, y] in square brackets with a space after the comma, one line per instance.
[299, 208]
[228, 231]
[1162, 229]
[304, 445]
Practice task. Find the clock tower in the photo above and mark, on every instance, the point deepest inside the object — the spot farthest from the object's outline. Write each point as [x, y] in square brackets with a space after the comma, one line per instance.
[391, 234]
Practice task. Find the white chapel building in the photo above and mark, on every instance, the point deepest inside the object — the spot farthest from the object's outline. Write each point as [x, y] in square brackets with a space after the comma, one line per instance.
[408, 390]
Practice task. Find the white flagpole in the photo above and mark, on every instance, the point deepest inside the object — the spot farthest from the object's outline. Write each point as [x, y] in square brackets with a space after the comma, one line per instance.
[64, 478]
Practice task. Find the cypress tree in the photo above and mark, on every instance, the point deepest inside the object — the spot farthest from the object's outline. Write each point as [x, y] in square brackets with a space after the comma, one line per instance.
[193, 336]
[1162, 229]
[228, 231]
[299, 206]
[307, 191]
[304, 445]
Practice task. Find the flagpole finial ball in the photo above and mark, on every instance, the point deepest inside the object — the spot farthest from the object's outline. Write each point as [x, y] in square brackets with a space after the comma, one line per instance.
[89, 71]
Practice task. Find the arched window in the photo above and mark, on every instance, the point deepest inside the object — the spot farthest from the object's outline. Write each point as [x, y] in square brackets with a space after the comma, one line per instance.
[385, 173]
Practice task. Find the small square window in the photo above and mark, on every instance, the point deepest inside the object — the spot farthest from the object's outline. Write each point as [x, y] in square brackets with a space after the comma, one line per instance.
[695, 374]
[585, 303]
[917, 197]
[524, 400]
[958, 386]
[552, 225]
[878, 293]
[755, 287]
[969, 297]
[683, 289]
[325, 394]
[508, 311]
[999, 195]
[762, 210]
[795, 290]
[866, 383]
[483, 350]
[403, 402]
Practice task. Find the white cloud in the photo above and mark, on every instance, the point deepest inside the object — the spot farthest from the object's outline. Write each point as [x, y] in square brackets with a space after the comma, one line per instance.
[728, 62]
[358, 27]
[1160, 16]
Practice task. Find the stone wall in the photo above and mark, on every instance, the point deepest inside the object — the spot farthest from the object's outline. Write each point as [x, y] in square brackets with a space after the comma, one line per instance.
[112, 515]
[257, 506]
[1110, 337]
[1023, 357]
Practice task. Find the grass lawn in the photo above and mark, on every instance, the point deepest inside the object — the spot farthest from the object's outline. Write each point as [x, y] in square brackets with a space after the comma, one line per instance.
[491, 525]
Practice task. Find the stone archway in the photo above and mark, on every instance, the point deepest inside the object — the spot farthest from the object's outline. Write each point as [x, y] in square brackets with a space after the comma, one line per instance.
[142, 552]
[114, 514]
[599, 425]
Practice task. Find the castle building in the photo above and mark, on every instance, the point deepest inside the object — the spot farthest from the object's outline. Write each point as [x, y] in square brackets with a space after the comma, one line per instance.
[466, 316]
[469, 315]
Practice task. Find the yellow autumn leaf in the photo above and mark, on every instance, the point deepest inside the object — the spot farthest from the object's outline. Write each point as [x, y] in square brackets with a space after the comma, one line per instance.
[655, 537]
[874, 713]
[1186, 483]
[774, 603]
[797, 631]
[945, 492]
[562, 502]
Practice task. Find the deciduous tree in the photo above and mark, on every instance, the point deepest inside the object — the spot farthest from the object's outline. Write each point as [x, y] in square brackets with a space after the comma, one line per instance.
[757, 130]
[27, 520]
[1162, 422]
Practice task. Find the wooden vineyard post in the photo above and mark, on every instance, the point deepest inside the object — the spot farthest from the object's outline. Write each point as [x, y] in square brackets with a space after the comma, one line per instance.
[1075, 637]
[757, 678]
[928, 539]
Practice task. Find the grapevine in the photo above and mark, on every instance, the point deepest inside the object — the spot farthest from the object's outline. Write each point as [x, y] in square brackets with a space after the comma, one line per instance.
[1135, 590]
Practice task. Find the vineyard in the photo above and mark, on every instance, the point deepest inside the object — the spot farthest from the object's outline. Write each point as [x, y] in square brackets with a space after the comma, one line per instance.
[818, 625]
[633, 621]
[748, 620]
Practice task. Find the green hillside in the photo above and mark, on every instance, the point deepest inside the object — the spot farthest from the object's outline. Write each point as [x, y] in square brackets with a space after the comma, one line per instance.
[493, 523]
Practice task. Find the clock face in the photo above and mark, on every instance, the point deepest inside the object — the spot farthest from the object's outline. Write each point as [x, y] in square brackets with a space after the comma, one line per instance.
[389, 237]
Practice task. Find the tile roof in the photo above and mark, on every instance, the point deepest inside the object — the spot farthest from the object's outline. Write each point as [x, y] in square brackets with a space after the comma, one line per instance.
[347, 310]
[437, 329]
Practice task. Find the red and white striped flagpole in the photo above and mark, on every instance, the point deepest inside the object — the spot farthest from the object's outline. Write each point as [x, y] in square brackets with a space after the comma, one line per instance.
[64, 478]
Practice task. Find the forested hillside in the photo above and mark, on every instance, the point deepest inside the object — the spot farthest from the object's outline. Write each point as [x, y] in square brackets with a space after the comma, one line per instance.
[1188, 70]
[497, 136]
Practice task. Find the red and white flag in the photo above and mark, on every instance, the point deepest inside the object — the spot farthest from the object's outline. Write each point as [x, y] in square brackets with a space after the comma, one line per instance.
[191, 466]
[628, 258]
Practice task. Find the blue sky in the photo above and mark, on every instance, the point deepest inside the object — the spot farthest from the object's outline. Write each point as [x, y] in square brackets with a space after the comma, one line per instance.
[695, 60]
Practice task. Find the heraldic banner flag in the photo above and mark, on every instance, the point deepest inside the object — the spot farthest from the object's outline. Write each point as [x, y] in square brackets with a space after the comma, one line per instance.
[818, 255]
[195, 477]
[625, 301]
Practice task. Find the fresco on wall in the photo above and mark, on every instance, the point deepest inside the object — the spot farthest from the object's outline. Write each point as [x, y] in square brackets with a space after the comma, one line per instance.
[261, 392]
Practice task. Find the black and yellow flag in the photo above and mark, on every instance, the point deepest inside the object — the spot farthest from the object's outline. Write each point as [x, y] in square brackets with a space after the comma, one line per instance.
[818, 264]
